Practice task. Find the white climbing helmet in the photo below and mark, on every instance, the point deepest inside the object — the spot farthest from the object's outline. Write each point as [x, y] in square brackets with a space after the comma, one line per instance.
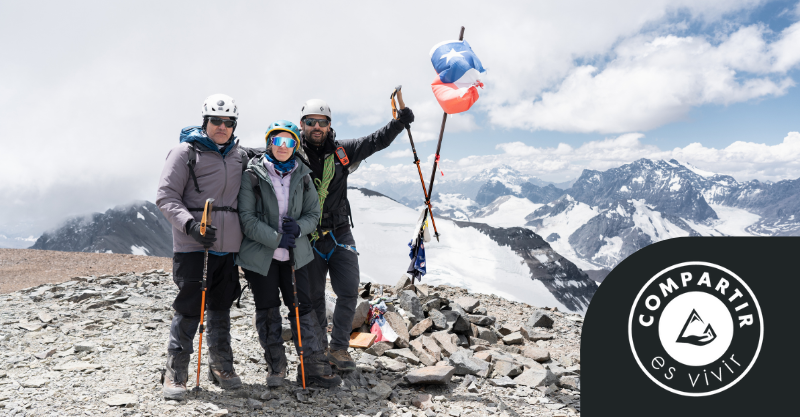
[220, 105]
[315, 106]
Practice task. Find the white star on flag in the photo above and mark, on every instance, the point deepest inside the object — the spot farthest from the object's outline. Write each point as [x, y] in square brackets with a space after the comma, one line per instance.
[451, 54]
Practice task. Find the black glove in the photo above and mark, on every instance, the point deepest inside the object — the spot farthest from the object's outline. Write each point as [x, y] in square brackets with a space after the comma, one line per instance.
[287, 241]
[290, 226]
[194, 231]
[405, 116]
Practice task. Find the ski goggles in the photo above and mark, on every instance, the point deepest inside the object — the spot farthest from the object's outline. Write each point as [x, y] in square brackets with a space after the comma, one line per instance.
[216, 121]
[281, 141]
[311, 122]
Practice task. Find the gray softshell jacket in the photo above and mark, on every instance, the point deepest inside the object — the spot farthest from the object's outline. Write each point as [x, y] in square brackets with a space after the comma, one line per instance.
[219, 178]
[260, 224]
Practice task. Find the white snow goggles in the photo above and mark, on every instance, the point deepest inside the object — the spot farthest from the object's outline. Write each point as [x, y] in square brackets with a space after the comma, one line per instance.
[281, 141]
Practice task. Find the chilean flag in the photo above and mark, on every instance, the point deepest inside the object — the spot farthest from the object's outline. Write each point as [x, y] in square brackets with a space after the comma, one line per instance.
[459, 72]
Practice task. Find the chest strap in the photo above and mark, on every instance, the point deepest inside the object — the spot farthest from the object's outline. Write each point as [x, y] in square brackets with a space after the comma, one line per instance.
[215, 208]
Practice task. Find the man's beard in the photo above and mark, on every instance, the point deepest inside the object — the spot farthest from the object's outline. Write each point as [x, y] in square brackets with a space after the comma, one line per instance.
[316, 142]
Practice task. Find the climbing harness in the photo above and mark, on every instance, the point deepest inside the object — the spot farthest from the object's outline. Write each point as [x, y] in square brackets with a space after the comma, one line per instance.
[327, 256]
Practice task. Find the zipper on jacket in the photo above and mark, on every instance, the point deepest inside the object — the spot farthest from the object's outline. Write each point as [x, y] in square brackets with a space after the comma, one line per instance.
[222, 228]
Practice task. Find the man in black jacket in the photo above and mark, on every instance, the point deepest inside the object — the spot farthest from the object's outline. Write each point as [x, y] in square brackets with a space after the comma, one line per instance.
[331, 162]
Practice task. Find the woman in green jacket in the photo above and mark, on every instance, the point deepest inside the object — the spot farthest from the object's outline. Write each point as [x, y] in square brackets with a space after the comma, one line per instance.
[277, 214]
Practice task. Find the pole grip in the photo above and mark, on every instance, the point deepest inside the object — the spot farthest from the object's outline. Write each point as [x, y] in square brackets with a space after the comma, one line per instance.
[400, 98]
[206, 220]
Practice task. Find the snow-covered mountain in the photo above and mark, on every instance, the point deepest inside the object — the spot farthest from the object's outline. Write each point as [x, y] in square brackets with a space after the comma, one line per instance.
[138, 228]
[606, 216]
[510, 262]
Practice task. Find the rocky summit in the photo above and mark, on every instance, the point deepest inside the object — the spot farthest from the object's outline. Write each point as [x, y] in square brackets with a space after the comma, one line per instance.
[96, 346]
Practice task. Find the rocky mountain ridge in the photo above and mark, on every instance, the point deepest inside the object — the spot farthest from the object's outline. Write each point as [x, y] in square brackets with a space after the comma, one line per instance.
[138, 228]
[95, 345]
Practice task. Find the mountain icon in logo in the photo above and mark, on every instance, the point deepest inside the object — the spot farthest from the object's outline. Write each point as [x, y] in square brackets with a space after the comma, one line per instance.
[696, 332]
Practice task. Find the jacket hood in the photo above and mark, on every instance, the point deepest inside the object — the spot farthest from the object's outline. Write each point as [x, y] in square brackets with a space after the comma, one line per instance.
[196, 134]
[257, 166]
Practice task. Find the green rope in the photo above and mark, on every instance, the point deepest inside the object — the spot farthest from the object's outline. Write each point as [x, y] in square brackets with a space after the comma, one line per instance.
[322, 189]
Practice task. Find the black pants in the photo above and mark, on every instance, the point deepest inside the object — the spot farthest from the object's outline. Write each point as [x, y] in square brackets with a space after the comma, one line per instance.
[223, 288]
[223, 282]
[265, 288]
[345, 277]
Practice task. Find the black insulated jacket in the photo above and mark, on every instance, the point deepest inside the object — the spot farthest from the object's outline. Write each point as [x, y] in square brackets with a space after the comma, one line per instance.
[336, 212]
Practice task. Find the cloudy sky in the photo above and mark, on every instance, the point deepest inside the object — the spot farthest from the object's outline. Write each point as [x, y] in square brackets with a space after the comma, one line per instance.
[95, 93]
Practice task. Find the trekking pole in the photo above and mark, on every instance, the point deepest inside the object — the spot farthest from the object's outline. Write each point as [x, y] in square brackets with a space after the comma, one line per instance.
[297, 317]
[204, 223]
[399, 95]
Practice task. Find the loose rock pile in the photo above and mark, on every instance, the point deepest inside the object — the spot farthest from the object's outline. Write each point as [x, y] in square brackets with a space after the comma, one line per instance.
[97, 345]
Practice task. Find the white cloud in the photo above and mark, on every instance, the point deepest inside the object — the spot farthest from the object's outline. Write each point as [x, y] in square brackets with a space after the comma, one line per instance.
[99, 98]
[742, 160]
[654, 80]
[400, 153]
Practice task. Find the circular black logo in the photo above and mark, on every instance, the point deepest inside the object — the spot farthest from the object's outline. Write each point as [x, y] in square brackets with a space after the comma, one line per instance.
[695, 329]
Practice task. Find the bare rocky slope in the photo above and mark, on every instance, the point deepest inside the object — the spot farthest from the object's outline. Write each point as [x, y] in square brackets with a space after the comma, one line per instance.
[96, 346]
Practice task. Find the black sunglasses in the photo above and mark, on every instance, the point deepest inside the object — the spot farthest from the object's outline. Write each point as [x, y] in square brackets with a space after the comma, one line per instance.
[311, 122]
[216, 121]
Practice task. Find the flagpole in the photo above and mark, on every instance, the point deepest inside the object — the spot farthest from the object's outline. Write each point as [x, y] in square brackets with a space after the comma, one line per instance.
[433, 177]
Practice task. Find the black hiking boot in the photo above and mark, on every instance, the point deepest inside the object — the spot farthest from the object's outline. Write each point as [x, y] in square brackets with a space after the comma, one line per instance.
[220, 355]
[270, 336]
[318, 371]
[341, 360]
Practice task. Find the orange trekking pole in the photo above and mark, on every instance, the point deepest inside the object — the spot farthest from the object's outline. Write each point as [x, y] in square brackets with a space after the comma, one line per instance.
[399, 95]
[204, 223]
[297, 317]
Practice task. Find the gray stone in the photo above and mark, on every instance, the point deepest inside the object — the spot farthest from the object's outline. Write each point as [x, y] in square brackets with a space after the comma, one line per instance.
[121, 399]
[484, 321]
[514, 339]
[457, 322]
[506, 368]
[536, 378]
[381, 391]
[142, 349]
[488, 335]
[462, 340]
[536, 353]
[438, 318]
[362, 312]
[391, 364]
[432, 347]
[467, 365]
[404, 353]
[469, 304]
[135, 300]
[431, 304]
[444, 340]
[485, 355]
[379, 348]
[45, 354]
[412, 306]
[421, 327]
[480, 310]
[473, 341]
[402, 283]
[35, 382]
[422, 401]
[418, 348]
[254, 404]
[570, 381]
[536, 336]
[503, 382]
[540, 319]
[84, 347]
[439, 375]
[398, 325]
[556, 369]
[45, 317]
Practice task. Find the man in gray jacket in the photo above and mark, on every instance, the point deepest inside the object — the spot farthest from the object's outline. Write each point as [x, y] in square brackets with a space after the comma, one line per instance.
[206, 164]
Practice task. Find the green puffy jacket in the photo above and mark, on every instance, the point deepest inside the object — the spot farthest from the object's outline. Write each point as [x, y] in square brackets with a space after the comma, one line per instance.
[260, 225]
